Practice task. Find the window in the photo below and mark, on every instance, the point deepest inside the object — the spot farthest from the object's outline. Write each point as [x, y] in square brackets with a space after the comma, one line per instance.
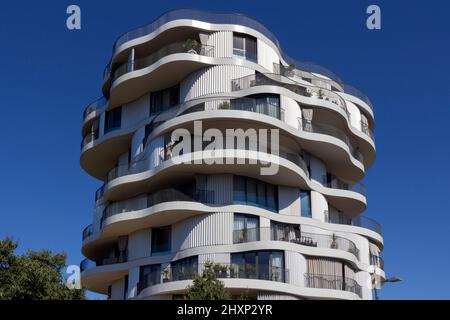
[264, 265]
[305, 200]
[149, 276]
[164, 99]
[245, 47]
[125, 288]
[246, 228]
[184, 269]
[161, 240]
[113, 119]
[268, 104]
[255, 192]
[285, 232]
[239, 189]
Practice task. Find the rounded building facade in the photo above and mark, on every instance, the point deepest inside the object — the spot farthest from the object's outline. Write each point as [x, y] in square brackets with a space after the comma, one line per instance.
[160, 216]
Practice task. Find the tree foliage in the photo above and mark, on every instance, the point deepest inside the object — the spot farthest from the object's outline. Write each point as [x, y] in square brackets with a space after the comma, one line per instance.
[34, 275]
[207, 286]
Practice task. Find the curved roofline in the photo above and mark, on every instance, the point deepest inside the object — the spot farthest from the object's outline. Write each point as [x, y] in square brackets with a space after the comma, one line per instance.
[231, 18]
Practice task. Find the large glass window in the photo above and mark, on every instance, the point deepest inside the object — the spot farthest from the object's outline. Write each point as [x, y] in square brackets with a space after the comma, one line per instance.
[113, 119]
[161, 240]
[184, 269]
[245, 47]
[254, 192]
[164, 99]
[246, 228]
[265, 265]
[149, 275]
[305, 200]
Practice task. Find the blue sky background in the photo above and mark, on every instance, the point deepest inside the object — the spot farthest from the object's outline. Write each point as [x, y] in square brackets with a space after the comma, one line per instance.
[49, 75]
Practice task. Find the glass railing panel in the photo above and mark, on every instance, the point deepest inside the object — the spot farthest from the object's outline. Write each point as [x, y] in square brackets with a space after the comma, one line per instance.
[94, 106]
[88, 231]
[333, 282]
[178, 47]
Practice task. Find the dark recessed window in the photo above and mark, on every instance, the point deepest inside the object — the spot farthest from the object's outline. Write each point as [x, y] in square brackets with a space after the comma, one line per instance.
[161, 240]
[265, 265]
[164, 99]
[254, 192]
[113, 119]
[149, 276]
[305, 200]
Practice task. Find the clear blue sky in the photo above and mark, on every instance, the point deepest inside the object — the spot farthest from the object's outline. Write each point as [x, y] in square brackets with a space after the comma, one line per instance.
[49, 74]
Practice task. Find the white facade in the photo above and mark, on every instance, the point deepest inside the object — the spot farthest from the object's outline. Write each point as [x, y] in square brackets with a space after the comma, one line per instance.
[298, 234]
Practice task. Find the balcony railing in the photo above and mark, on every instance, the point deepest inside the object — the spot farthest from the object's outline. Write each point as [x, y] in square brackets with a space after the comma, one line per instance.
[273, 79]
[144, 165]
[376, 261]
[166, 195]
[366, 130]
[94, 106]
[222, 271]
[87, 264]
[294, 235]
[99, 193]
[301, 89]
[312, 69]
[334, 282]
[246, 235]
[177, 47]
[90, 137]
[221, 18]
[329, 130]
[226, 18]
[88, 231]
[240, 104]
[365, 222]
[358, 93]
[337, 183]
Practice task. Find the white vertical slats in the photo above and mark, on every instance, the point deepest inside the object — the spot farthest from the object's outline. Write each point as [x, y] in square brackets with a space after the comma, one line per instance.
[275, 296]
[267, 56]
[212, 80]
[139, 244]
[222, 41]
[324, 266]
[206, 230]
[293, 263]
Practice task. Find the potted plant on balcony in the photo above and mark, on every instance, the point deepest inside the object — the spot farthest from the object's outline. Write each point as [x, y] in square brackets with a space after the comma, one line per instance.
[191, 46]
[289, 70]
[225, 105]
[320, 94]
[165, 275]
[220, 270]
[334, 244]
[276, 274]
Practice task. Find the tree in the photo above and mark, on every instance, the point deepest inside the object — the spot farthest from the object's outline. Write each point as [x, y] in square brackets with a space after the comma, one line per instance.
[207, 286]
[34, 275]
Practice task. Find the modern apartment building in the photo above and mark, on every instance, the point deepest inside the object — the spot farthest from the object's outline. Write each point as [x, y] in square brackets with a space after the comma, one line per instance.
[297, 234]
